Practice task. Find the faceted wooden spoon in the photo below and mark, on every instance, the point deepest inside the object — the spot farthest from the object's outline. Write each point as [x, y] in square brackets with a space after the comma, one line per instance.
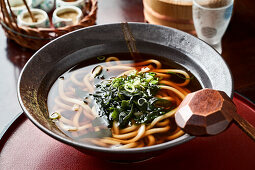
[209, 112]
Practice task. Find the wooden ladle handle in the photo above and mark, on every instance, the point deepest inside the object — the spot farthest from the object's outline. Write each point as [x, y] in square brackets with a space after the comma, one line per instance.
[244, 125]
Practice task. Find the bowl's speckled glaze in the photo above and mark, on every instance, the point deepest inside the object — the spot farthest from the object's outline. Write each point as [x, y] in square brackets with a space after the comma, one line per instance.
[58, 56]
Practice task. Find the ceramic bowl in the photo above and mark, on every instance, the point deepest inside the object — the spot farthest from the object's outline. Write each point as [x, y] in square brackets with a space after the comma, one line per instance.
[62, 22]
[40, 23]
[51, 61]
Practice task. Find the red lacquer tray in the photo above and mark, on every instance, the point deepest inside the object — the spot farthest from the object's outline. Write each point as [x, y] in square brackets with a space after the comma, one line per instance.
[24, 146]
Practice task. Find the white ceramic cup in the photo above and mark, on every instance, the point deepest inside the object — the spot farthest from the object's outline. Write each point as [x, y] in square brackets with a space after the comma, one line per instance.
[35, 3]
[42, 21]
[17, 6]
[59, 21]
[46, 5]
[78, 3]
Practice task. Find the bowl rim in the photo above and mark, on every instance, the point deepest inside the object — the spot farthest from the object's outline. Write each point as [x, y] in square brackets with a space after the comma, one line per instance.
[166, 145]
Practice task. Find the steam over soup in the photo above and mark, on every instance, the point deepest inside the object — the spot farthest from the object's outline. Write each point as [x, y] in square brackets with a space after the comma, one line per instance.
[112, 101]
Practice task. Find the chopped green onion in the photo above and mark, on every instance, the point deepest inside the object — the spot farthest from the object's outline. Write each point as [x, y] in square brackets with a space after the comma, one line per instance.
[148, 77]
[116, 84]
[137, 82]
[154, 82]
[101, 58]
[129, 87]
[141, 101]
[144, 84]
[55, 115]
[96, 71]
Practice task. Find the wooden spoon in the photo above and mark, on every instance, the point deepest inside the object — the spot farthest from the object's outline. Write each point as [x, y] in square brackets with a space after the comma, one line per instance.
[209, 112]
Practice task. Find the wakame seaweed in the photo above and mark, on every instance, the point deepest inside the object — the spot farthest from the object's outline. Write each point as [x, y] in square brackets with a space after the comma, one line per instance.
[130, 99]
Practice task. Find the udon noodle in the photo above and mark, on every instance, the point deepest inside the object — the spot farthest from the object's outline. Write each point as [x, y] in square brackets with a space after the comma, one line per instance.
[74, 113]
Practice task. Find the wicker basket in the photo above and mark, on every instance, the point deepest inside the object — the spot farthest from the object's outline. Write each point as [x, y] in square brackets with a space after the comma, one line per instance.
[172, 13]
[34, 38]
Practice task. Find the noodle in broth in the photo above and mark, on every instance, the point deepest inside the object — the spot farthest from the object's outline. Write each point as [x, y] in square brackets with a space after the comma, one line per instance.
[75, 111]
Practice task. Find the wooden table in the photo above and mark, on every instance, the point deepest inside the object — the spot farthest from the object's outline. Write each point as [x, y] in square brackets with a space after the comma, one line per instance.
[238, 50]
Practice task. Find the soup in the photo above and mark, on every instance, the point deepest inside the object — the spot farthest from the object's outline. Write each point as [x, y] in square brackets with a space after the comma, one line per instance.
[38, 17]
[18, 5]
[112, 101]
[69, 15]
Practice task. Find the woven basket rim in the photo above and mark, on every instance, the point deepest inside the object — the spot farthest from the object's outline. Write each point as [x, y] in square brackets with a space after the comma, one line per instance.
[24, 35]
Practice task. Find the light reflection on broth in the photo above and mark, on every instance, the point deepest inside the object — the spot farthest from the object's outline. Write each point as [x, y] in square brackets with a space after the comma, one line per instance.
[85, 112]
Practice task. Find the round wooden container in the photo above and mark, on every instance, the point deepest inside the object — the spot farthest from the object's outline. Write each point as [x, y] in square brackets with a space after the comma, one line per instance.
[172, 13]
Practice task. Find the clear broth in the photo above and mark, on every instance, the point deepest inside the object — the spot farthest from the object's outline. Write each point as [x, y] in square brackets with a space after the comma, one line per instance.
[85, 68]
